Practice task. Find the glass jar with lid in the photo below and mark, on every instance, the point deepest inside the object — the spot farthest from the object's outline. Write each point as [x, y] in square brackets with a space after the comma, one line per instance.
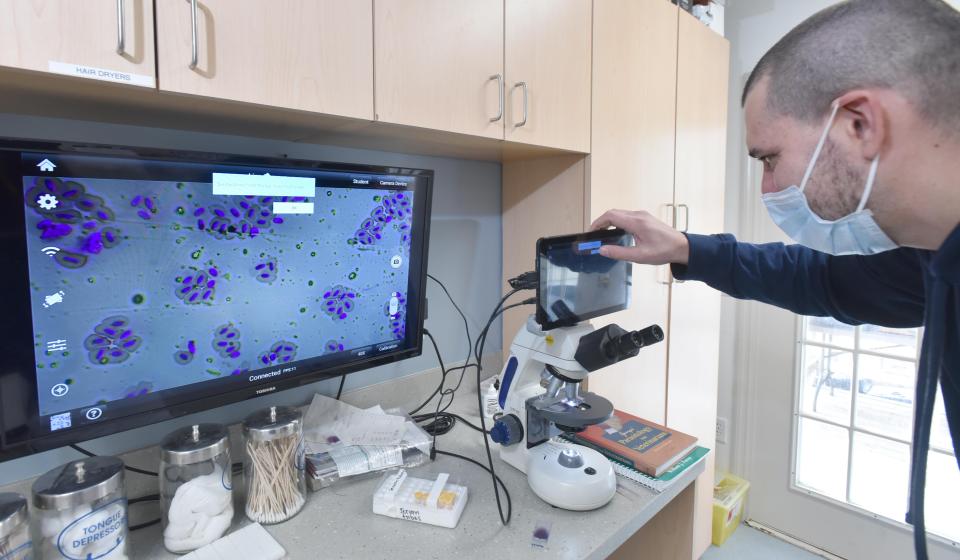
[15, 541]
[80, 511]
[273, 466]
[196, 486]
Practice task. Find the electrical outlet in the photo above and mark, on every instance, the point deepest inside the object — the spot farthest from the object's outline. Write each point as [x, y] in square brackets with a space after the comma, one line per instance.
[721, 429]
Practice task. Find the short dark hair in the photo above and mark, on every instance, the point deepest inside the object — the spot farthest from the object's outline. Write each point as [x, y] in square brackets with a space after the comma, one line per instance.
[911, 46]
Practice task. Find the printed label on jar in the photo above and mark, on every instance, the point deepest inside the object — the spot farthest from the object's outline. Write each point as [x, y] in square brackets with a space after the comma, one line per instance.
[226, 479]
[96, 534]
[22, 552]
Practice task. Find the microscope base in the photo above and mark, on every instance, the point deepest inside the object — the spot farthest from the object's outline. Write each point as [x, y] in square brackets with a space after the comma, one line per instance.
[567, 476]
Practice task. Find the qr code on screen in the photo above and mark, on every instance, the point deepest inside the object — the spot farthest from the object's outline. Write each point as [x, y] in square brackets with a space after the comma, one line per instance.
[60, 421]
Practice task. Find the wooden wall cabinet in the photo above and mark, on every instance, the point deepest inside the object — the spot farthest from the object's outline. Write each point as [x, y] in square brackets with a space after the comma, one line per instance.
[659, 106]
[309, 55]
[631, 167]
[548, 73]
[439, 64]
[702, 78]
[110, 40]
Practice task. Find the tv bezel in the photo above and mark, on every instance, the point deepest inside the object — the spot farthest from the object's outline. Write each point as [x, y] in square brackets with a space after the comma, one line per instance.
[19, 437]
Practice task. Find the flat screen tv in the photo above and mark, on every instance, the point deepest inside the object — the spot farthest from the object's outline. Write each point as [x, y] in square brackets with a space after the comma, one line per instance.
[140, 285]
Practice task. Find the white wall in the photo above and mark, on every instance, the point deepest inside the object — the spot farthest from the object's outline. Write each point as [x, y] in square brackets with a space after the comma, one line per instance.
[465, 253]
[752, 26]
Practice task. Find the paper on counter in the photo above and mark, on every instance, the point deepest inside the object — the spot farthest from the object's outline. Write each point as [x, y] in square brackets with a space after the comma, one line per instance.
[330, 423]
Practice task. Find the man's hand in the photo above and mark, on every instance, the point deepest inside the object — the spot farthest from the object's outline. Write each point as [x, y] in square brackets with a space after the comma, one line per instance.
[655, 242]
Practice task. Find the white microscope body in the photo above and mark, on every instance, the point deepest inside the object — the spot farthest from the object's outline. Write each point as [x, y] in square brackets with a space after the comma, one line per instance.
[540, 396]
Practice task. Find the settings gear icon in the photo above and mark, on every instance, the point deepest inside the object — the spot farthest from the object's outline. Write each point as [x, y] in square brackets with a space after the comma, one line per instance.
[47, 201]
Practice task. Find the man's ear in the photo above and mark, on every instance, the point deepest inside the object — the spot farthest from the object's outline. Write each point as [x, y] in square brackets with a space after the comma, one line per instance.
[863, 121]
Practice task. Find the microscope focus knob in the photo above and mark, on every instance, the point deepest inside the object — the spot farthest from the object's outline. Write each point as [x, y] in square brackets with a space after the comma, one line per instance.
[507, 430]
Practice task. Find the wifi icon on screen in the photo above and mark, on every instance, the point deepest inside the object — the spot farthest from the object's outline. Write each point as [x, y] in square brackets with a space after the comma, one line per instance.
[50, 251]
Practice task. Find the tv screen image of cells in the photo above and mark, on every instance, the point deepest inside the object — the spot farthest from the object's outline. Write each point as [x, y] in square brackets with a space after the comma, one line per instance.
[141, 285]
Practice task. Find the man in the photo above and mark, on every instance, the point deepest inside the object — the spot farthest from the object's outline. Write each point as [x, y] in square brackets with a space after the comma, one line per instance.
[855, 115]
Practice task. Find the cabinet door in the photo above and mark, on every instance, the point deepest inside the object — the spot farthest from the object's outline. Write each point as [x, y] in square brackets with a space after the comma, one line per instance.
[310, 55]
[548, 73]
[438, 63]
[631, 168]
[702, 81]
[110, 40]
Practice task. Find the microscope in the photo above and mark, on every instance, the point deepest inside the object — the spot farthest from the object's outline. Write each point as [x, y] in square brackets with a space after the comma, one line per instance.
[540, 392]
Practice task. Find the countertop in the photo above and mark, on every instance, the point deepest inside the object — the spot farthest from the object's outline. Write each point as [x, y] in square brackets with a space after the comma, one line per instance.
[337, 522]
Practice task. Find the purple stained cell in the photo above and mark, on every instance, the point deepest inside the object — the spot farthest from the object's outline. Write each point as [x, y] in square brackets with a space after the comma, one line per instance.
[135, 201]
[265, 275]
[200, 225]
[109, 331]
[265, 213]
[200, 278]
[104, 215]
[129, 343]
[273, 356]
[234, 354]
[260, 266]
[261, 222]
[245, 227]
[207, 294]
[343, 316]
[271, 265]
[251, 212]
[116, 353]
[143, 214]
[244, 204]
[222, 343]
[186, 290]
[219, 213]
[192, 346]
[231, 335]
[254, 231]
[212, 271]
[126, 333]
[198, 212]
[100, 353]
[193, 297]
[148, 202]
[234, 212]
[89, 225]
[278, 220]
[326, 294]
[211, 283]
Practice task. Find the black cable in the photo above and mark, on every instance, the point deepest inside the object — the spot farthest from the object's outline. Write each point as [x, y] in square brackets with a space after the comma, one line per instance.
[79, 449]
[483, 424]
[343, 378]
[144, 525]
[495, 478]
[141, 499]
[443, 422]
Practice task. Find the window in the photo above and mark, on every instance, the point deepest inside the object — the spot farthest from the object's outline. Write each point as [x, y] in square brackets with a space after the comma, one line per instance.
[854, 421]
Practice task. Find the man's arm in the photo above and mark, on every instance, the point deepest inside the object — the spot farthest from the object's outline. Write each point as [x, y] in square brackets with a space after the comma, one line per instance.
[885, 289]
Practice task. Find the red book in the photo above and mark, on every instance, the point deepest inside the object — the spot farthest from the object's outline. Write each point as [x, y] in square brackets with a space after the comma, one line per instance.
[648, 447]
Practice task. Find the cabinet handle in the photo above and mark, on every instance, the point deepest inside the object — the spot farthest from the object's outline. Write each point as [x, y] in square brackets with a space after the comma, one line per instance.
[664, 270]
[686, 221]
[121, 43]
[526, 97]
[499, 79]
[193, 35]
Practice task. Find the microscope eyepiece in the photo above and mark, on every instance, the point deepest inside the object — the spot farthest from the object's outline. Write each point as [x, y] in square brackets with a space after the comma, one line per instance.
[610, 344]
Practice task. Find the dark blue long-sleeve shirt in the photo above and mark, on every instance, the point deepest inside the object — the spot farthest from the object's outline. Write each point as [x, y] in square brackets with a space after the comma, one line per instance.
[899, 288]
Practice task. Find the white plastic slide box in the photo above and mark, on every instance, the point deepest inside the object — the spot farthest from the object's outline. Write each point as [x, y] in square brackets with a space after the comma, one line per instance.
[436, 502]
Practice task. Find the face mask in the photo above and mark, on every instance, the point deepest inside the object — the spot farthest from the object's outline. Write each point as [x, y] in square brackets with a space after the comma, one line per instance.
[856, 233]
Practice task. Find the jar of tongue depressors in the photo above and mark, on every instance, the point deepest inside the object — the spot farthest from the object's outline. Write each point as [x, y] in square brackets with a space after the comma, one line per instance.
[14, 528]
[196, 486]
[273, 466]
[80, 511]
